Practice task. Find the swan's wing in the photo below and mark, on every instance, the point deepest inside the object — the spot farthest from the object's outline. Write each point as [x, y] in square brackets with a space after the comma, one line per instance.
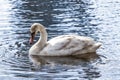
[64, 45]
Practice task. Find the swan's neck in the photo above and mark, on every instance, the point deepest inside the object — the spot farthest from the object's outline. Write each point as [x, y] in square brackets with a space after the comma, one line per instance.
[42, 40]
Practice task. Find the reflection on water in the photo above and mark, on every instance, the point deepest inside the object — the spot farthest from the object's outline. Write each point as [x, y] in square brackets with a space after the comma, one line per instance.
[67, 60]
[65, 67]
[97, 19]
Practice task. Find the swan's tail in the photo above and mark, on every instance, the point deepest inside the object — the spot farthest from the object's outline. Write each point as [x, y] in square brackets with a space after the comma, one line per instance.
[97, 45]
[94, 47]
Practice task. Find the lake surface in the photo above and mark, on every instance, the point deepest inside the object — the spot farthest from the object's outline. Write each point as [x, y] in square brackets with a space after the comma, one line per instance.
[99, 19]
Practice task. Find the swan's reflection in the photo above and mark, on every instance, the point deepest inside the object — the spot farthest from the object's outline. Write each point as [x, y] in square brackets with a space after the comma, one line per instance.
[67, 60]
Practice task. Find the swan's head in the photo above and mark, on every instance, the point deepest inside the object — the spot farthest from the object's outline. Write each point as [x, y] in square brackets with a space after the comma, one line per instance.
[36, 27]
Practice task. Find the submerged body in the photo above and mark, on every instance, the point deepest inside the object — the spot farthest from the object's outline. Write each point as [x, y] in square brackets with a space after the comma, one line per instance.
[64, 45]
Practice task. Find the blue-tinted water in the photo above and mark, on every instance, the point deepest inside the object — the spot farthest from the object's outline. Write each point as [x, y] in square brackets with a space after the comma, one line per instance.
[98, 19]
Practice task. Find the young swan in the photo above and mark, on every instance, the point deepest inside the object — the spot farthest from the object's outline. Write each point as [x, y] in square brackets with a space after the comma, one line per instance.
[64, 45]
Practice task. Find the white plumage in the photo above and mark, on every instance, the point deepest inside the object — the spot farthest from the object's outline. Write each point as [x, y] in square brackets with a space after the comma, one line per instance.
[62, 45]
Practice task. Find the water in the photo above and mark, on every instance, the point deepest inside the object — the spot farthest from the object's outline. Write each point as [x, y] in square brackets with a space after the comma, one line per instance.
[98, 19]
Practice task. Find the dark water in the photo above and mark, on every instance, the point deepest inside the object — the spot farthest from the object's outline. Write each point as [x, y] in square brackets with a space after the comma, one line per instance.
[98, 19]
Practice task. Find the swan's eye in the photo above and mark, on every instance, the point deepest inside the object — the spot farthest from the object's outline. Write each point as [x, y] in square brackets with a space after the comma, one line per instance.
[33, 33]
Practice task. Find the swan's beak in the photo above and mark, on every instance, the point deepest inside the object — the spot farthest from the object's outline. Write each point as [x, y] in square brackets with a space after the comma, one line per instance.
[32, 38]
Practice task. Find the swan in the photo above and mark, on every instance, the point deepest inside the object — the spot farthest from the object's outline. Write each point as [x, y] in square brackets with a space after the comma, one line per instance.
[64, 45]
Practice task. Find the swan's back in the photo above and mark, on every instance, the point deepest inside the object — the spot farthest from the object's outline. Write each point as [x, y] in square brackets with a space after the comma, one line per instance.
[68, 45]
